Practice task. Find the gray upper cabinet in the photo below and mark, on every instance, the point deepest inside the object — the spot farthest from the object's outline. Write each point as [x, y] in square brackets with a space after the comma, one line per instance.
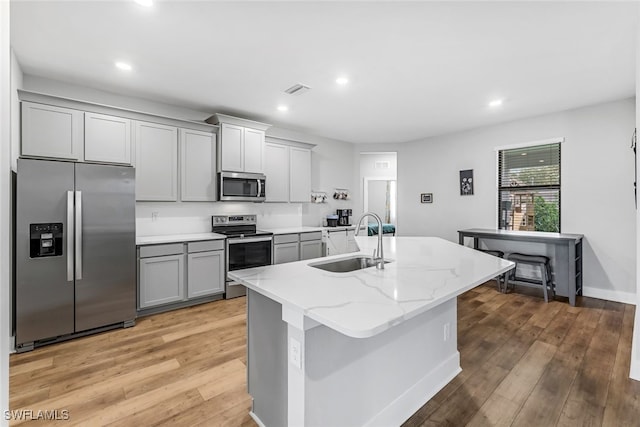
[277, 172]
[49, 131]
[288, 170]
[156, 162]
[232, 153]
[198, 166]
[253, 150]
[299, 174]
[107, 139]
[241, 144]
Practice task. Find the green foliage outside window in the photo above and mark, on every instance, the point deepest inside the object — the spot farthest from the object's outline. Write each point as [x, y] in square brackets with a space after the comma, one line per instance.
[547, 216]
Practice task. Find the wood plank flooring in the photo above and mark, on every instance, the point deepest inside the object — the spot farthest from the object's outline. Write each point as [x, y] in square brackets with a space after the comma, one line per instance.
[525, 363]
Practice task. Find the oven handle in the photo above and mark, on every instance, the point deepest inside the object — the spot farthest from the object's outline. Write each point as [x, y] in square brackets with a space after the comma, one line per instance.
[249, 240]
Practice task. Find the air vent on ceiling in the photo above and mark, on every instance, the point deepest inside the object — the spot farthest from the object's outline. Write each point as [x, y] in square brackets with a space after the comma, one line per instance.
[297, 89]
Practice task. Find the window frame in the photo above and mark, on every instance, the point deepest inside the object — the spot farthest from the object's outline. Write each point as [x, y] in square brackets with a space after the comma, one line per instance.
[557, 140]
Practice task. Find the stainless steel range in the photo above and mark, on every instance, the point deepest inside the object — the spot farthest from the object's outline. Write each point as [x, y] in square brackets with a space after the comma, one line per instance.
[246, 246]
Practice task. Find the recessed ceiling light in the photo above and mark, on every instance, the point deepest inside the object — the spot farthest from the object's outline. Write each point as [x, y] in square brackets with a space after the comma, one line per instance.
[145, 3]
[541, 161]
[495, 103]
[123, 66]
[283, 108]
[342, 81]
[523, 154]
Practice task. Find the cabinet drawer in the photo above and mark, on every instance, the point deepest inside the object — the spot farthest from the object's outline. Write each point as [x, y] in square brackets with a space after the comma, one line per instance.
[314, 235]
[285, 238]
[160, 250]
[209, 245]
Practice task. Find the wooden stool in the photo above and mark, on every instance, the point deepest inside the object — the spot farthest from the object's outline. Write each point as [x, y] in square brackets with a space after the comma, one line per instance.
[499, 279]
[540, 261]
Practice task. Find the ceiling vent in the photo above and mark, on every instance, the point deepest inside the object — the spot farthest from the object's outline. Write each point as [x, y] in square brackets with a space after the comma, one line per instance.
[297, 89]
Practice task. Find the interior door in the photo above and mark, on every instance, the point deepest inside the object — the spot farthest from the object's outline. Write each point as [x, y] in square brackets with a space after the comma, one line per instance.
[106, 274]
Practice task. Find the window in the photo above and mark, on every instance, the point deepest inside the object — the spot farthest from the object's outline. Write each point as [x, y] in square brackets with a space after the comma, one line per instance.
[529, 188]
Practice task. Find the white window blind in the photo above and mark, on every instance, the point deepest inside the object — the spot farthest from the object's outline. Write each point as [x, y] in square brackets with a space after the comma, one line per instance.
[529, 188]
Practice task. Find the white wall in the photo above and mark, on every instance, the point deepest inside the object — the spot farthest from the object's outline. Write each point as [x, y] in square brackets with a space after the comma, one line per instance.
[5, 219]
[597, 186]
[332, 166]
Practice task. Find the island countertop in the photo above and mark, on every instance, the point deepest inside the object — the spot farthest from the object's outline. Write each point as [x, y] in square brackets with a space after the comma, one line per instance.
[423, 273]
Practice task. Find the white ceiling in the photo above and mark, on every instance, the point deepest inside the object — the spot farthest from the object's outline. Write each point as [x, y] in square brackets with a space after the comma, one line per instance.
[416, 69]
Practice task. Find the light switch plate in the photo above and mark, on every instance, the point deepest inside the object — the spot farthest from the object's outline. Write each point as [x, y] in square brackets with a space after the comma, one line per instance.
[295, 353]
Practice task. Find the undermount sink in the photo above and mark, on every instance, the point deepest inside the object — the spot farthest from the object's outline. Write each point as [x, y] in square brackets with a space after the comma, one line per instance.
[345, 265]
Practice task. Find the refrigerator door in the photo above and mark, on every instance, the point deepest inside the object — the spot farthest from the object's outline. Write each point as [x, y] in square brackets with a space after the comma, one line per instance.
[105, 266]
[44, 288]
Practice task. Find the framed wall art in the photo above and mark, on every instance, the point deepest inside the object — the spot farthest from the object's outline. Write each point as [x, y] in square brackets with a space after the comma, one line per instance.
[466, 182]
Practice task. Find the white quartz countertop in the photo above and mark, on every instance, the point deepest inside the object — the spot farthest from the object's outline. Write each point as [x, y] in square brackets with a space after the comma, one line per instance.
[291, 230]
[423, 272]
[177, 238]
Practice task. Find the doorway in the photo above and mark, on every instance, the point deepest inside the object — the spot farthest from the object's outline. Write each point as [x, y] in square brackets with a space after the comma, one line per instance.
[378, 173]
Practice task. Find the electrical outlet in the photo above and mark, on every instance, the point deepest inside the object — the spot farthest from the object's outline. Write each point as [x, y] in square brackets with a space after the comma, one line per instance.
[295, 350]
[154, 216]
[447, 331]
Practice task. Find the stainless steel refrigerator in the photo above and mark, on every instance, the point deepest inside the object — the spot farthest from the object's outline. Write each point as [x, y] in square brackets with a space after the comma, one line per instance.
[75, 250]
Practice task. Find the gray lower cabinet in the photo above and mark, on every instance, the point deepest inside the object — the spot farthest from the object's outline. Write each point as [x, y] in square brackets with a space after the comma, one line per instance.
[310, 249]
[286, 248]
[296, 246]
[161, 280]
[175, 273]
[205, 273]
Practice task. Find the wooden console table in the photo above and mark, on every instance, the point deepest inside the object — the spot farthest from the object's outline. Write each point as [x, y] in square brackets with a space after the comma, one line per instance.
[567, 271]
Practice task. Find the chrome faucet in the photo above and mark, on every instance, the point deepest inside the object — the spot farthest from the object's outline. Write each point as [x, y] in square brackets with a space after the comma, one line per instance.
[378, 255]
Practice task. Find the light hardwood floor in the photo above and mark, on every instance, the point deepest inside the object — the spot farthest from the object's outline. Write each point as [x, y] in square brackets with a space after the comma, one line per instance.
[525, 363]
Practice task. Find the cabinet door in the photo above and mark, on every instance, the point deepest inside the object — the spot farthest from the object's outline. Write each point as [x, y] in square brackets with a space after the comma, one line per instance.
[253, 150]
[49, 131]
[156, 162]
[107, 138]
[300, 174]
[198, 166]
[310, 249]
[205, 274]
[276, 160]
[161, 280]
[285, 252]
[231, 148]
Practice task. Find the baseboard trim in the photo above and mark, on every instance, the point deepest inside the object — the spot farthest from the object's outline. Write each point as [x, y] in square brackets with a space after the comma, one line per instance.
[416, 396]
[609, 295]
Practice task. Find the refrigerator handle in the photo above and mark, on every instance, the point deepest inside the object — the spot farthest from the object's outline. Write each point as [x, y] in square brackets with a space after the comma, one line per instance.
[78, 235]
[70, 236]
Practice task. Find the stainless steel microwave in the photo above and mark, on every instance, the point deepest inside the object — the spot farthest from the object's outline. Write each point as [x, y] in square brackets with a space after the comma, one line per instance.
[241, 187]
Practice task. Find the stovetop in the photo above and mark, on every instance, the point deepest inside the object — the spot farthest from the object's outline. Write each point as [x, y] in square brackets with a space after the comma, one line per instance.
[237, 226]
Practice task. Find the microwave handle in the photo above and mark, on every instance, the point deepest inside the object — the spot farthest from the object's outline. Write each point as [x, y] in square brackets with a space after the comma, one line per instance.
[259, 187]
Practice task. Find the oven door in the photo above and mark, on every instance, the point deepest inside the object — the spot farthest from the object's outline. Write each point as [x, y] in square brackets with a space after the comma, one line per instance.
[241, 187]
[246, 252]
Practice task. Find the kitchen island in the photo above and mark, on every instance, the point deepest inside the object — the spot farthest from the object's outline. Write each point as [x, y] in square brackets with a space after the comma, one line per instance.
[361, 348]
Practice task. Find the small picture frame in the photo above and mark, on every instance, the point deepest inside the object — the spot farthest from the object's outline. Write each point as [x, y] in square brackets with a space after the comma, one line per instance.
[466, 182]
[426, 198]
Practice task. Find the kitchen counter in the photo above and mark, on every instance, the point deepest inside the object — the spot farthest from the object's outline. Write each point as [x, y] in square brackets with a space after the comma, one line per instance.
[291, 230]
[424, 272]
[372, 345]
[177, 238]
